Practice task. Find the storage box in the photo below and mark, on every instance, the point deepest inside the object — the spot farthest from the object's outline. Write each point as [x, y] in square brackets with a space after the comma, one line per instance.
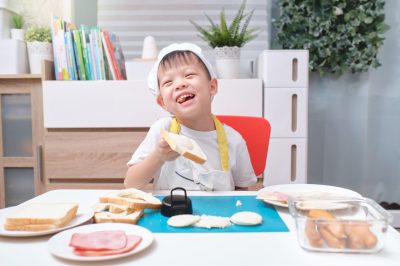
[238, 97]
[14, 58]
[283, 68]
[287, 111]
[356, 225]
[286, 162]
[138, 69]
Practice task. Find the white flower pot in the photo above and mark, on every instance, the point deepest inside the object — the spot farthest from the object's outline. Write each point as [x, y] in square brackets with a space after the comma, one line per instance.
[17, 34]
[38, 51]
[227, 60]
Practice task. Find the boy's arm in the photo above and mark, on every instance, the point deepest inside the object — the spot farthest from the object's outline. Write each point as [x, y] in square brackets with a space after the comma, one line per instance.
[141, 173]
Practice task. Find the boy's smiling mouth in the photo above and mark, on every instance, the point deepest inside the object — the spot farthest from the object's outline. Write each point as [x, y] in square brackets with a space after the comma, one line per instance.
[184, 97]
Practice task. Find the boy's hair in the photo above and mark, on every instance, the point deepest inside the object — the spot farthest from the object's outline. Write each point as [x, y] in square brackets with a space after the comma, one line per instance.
[176, 58]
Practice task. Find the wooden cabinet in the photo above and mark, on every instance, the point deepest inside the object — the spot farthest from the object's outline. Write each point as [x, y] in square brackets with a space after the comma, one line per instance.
[88, 158]
[21, 120]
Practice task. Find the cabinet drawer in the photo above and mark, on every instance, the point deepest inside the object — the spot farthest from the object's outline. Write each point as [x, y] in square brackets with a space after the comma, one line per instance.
[89, 157]
[283, 68]
[287, 161]
[287, 111]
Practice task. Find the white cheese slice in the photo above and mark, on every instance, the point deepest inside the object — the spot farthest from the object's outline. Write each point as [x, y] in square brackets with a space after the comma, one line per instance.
[246, 218]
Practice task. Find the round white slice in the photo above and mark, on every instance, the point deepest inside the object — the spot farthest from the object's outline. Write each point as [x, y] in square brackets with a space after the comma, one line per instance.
[209, 221]
[183, 220]
[246, 218]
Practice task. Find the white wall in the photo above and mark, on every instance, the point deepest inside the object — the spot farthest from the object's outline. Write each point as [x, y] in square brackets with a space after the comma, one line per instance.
[37, 12]
[354, 124]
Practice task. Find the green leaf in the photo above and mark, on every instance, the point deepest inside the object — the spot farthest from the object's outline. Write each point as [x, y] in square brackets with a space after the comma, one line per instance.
[236, 34]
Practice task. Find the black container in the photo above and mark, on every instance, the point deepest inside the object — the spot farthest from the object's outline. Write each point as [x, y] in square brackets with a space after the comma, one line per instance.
[176, 204]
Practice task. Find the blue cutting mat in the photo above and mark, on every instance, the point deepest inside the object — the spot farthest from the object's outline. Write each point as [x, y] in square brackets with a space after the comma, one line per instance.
[219, 206]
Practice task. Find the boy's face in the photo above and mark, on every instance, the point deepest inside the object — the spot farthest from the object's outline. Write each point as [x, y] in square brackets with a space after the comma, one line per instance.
[186, 90]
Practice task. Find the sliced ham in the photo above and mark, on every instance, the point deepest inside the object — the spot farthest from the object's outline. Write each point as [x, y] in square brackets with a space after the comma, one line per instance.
[99, 240]
[132, 242]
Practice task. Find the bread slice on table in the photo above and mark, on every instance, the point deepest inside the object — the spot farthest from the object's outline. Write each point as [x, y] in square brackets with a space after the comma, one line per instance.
[41, 216]
[184, 146]
[108, 217]
[132, 198]
[111, 207]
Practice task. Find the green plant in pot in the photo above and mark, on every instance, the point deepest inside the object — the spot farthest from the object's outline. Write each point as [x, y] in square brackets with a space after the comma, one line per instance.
[17, 32]
[38, 39]
[228, 39]
[341, 35]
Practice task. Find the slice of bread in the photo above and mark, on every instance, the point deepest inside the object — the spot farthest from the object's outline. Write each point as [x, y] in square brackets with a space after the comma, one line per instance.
[41, 216]
[108, 217]
[184, 146]
[132, 198]
[111, 207]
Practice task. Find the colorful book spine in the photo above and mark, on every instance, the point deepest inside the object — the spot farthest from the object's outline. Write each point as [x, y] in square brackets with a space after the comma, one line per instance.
[79, 55]
[112, 55]
[86, 52]
[108, 56]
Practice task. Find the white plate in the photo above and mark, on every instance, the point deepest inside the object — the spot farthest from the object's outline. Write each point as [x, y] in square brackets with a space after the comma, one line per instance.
[82, 215]
[307, 189]
[59, 244]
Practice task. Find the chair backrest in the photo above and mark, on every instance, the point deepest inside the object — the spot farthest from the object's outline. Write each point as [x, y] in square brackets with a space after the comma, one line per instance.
[256, 132]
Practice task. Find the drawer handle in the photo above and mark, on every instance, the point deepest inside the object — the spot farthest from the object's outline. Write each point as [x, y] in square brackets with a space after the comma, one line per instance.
[39, 161]
[294, 69]
[293, 163]
[294, 112]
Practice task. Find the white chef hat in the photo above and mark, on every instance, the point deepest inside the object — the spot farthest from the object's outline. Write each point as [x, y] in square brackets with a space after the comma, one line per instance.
[152, 80]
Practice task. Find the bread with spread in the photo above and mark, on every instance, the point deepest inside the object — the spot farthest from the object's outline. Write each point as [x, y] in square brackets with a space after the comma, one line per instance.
[185, 146]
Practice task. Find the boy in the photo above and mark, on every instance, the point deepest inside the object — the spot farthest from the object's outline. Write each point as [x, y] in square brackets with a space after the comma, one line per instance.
[184, 85]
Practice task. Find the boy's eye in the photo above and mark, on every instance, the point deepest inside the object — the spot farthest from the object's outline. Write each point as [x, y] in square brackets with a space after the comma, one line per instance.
[190, 75]
[167, 83]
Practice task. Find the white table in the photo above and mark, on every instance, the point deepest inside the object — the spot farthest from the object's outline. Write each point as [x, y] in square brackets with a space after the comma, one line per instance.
[199, 249]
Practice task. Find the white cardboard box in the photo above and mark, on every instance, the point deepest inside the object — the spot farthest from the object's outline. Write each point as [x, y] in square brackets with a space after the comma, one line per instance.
[287, 111]
[13, 57]
[283, 68]
[5, 20]
[138, 69]
[288, 165]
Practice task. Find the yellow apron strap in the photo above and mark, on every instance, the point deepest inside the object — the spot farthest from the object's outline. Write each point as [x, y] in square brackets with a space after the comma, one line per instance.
[222, 144]
[175, 127]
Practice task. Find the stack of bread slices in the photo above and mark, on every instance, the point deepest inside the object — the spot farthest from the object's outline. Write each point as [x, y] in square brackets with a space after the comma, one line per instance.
[41, 216]
[124, 206]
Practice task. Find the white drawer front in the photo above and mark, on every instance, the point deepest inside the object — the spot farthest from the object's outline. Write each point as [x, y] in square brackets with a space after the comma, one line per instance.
[286, 161]
[283, 68]
[286, 110]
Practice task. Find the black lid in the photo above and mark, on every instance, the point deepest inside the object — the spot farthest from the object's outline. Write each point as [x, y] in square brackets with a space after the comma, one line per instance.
[176, 204]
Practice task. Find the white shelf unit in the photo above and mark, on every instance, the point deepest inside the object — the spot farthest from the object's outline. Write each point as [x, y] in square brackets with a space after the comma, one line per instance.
[129, 104]
[285, 81]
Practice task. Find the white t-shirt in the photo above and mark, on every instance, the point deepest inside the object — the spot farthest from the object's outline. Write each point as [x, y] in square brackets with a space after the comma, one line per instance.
[182, 172]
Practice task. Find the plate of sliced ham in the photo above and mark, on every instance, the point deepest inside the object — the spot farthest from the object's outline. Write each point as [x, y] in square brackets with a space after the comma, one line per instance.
[97, 242]
[278, 195]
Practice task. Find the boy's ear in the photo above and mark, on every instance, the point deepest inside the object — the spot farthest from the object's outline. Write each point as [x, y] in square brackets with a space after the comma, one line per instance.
[213, 86]
[160, 102]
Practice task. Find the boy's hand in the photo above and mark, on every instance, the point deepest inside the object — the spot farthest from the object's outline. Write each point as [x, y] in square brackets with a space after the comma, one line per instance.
[164, 152]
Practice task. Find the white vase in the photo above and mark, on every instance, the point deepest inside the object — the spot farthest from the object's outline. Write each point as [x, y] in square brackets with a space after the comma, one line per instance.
[227, 60]
[17, 34]
[38, 51]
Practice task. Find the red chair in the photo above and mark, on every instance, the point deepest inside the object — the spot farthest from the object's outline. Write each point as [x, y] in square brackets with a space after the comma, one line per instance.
[256, 132]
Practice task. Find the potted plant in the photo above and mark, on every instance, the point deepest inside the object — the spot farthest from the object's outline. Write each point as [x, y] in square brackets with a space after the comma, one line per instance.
[340, 35]
[17, 32]
[228, 39]
[38, 39]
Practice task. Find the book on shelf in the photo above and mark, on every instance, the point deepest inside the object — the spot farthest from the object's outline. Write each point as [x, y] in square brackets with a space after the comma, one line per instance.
[86, 53]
